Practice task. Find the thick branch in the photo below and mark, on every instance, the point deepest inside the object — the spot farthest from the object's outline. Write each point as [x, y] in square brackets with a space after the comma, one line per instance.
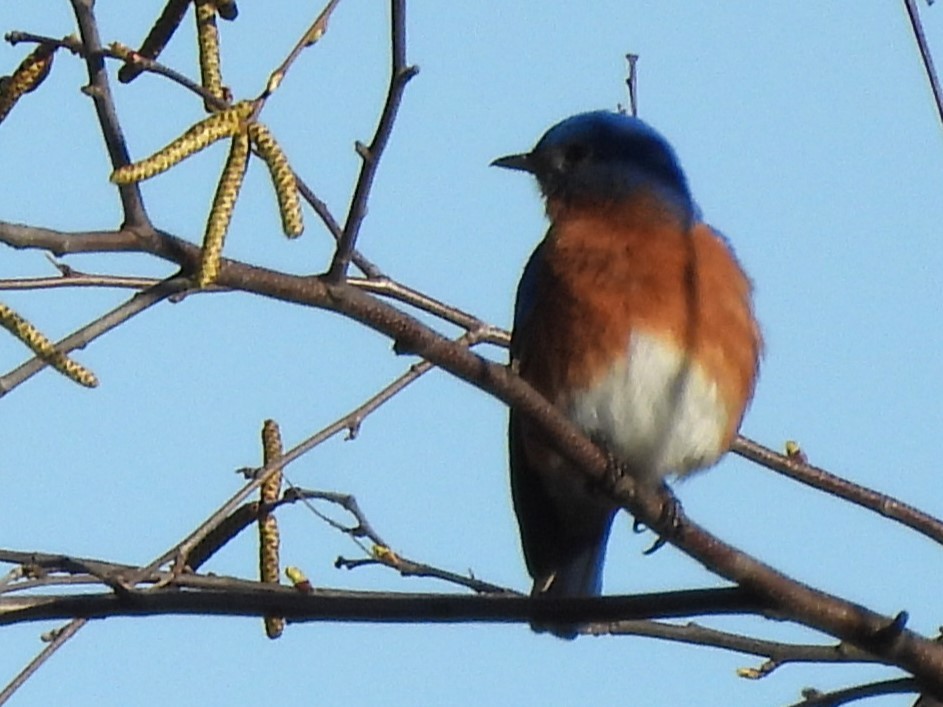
[230, 597]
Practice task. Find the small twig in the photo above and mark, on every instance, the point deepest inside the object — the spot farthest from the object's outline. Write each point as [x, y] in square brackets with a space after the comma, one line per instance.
[777, 652]
[858, 692]
[400, 74]
[311, 35]
[805, 473]
[135, 215]
[137, 304]
[486, 333]
[632, 83]
[925, 54]
[152, 66]
[409, 568]
[60, 637]
[120, 53]
[349, 422]
[78, 280]
[362, 529]
[368, 268]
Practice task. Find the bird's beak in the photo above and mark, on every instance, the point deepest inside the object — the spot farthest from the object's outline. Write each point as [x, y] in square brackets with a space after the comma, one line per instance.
[522, 163]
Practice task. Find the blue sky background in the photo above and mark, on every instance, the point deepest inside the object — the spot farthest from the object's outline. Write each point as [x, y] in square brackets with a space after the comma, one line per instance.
[809, 137]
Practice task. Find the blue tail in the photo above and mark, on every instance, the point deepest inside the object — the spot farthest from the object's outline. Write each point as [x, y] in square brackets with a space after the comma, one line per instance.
[564, 529]
[578, 575]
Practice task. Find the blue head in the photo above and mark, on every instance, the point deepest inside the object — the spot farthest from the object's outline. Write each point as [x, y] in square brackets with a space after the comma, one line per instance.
[601, 158]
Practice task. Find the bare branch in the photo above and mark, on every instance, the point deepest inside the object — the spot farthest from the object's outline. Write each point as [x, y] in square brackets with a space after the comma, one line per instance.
[60, 636]
[321, 209]
[403, 293]
[858, 692]
[925, 54]
[815, 477]
[349, 422]
[777, 652]
[222, 596]
[135, 215]
[78, 280]
[137, 304]
[400, 74]
[311, 36]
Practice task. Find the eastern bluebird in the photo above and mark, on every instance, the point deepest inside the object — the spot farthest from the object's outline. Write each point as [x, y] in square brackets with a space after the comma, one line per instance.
[632, 317]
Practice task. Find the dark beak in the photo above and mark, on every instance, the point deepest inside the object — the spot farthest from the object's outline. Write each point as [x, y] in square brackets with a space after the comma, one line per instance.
[522, 163]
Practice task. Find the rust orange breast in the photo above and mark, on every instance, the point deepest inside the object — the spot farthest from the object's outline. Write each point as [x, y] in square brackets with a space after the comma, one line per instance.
[608, 273]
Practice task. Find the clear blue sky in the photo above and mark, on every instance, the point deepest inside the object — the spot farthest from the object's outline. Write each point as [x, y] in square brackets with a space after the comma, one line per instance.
[809, 137]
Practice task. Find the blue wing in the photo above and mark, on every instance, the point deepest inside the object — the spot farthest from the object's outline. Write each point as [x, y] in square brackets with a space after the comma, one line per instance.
[563, 530]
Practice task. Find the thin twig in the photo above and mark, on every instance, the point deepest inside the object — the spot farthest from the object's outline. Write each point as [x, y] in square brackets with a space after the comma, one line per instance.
[142, 63]
[311, 35]
[925, 54]
[805, 473]
[135, 215]
[400, 74]
[363, 529]
[631, 83]
[78, 280]
[350, 422]
[895, 686]
[403, 293]
[61, 636]
[137, 304]
[777, 652]
[365, 266]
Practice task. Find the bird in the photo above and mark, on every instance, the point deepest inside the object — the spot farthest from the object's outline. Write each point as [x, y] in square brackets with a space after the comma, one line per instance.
[635, 319]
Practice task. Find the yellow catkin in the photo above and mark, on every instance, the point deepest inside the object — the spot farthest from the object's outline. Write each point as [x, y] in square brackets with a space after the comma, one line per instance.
[227, 191]
[227, 9]
[28, 75]
[208, 38]
[207, 131]
[44, 348]
[157, 38]
[268, 526]
[286, 187]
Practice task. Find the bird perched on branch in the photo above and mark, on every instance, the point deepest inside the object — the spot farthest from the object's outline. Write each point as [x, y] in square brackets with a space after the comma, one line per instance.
[634, 318]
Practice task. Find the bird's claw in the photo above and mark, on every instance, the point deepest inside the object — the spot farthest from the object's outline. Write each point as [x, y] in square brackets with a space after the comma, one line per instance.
[669, 521]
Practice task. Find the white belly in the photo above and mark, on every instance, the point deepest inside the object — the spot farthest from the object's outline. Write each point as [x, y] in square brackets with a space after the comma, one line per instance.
[655, 410]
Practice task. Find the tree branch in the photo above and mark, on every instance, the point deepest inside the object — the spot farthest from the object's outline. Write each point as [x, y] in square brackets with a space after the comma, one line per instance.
[400, 74]
[60, 636]
[221, 596]
[135, 215]
[132, 307]
[925, 54]
[817, 478]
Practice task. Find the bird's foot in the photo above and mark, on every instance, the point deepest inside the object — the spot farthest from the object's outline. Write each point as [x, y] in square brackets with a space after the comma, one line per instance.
[670, 520]
[615, 472]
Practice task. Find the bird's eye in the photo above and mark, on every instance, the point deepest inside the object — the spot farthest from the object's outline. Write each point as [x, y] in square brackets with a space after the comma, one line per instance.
[575, 153]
